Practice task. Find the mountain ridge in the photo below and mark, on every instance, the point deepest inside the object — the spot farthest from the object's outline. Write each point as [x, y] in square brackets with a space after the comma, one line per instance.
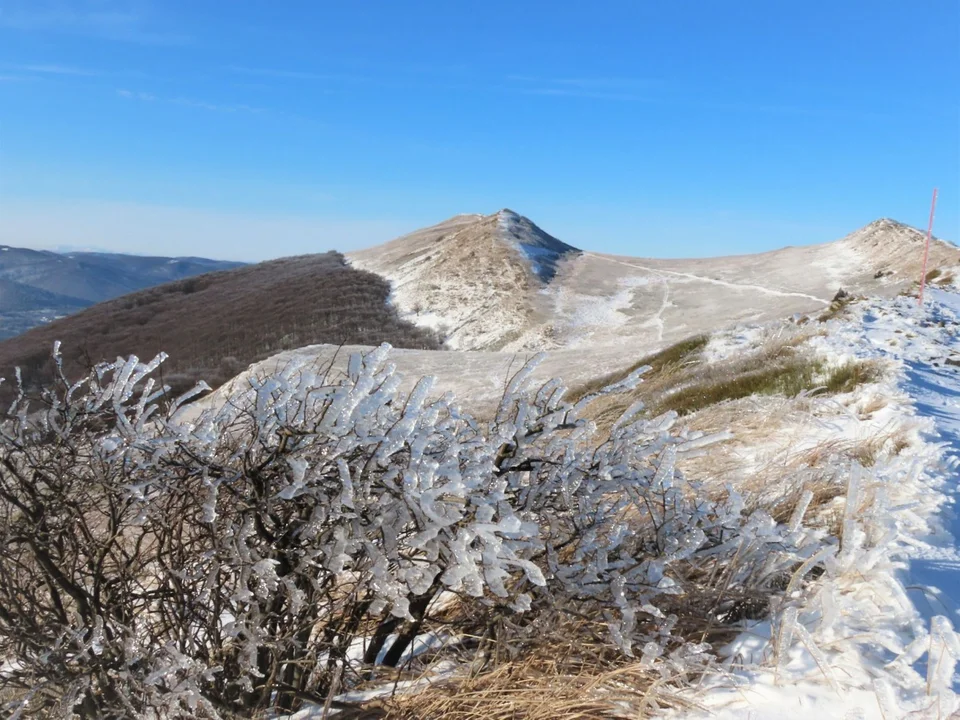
[487, 271]
[214, 325]
[499, 282]
[496, 285]
[46, 284]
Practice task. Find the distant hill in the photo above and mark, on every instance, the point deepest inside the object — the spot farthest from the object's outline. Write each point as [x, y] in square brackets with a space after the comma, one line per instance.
[37, 286]
[214, 325]
[18, 297]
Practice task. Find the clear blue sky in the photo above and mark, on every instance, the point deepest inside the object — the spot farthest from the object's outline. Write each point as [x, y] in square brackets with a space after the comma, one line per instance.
[252, 129]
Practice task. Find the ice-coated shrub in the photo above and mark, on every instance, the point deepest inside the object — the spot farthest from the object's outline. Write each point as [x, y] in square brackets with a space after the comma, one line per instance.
[155, 566]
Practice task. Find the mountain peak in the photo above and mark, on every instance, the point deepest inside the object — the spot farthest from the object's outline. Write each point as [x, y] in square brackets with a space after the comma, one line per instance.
[886, 222]
[542, 250]
[886, 231]
[890, 247]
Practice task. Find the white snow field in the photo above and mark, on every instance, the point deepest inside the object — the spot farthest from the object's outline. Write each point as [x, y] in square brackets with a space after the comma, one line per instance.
[873, 637]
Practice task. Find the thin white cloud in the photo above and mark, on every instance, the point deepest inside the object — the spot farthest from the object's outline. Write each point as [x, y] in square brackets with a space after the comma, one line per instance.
[56, 70]
[291, 74]
[131, 95]
[599, 88]
[119, 20]
[214, 107]
[621, 84]
[188, 102]
[654, 92]
[575, 93]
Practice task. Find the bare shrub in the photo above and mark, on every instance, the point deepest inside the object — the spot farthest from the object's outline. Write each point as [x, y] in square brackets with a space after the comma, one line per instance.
[278, 549]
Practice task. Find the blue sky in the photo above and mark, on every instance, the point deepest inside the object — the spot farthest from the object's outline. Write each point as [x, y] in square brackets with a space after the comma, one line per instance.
[250, 129]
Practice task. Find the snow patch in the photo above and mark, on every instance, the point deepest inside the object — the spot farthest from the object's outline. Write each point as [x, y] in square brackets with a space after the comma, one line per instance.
[874, 637]
[541, 250]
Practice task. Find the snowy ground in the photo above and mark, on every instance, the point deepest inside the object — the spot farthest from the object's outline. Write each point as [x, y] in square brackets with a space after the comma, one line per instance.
[873, 637]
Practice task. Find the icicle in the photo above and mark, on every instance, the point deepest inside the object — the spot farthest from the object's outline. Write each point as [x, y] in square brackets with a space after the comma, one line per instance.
[849, 539]
[817, 654]
[799, 511]
[786, 626]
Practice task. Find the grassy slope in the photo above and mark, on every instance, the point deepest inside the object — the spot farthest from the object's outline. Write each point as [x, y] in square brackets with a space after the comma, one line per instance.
[214, 325]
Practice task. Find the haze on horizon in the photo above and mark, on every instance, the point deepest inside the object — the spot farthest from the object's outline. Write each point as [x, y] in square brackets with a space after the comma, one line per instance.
[660, 129]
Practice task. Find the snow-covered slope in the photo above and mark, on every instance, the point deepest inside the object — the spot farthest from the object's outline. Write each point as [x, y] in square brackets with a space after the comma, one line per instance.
[871, 634]
[876, 637]
[477, 279]
[498, 282]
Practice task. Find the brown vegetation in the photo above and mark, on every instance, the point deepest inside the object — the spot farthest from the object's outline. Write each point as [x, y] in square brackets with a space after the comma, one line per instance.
[839, 303]
[213, 326]
[790, 378]
[662, 362]
[678, 380]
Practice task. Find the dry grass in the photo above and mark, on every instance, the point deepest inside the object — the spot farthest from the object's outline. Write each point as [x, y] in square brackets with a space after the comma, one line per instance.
[763, 465]
[661, 363]
[850, 375]
[571, 673]
[684, 383]
[874, 404]
[836, 308]
[937, 276]
[563, 666]
[516, 691]
[789, 378]
[778, 386]
[789, 374]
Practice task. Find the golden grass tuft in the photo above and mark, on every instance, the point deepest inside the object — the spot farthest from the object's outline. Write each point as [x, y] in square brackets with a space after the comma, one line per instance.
[875, 404]
[939, 276]
[572, 673]
[565, 667]
[848, 376]
[679, 380]
[661, 362]
[517, 691]
[790, 377]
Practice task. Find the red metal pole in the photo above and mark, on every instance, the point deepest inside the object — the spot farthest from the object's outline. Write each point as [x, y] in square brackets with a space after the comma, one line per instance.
[926, 248]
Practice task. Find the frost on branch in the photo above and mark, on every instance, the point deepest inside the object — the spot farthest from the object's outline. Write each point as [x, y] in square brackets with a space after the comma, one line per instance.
[160, 567]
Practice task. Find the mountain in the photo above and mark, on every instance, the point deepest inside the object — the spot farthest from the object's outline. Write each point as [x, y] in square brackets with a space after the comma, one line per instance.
[214, 325]
[39, 286]
[18, 297]
[474, 278]
[498, 282]
[496, 285]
